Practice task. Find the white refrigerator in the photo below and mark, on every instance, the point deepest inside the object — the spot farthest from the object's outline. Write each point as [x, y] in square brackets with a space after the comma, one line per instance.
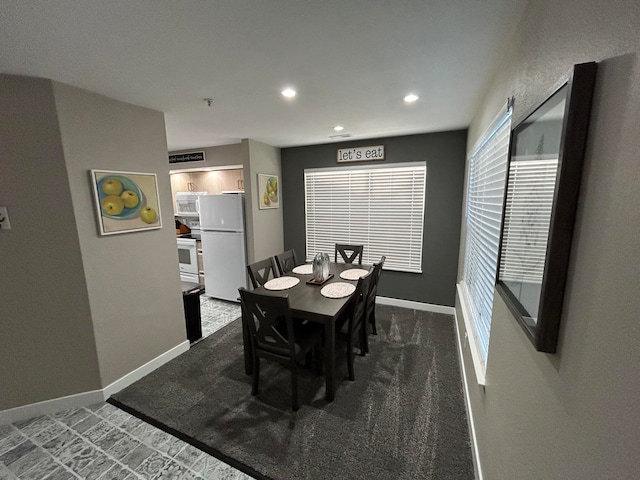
[224, 256]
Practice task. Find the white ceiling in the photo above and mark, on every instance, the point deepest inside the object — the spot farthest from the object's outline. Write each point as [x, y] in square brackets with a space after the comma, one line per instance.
[352, 62]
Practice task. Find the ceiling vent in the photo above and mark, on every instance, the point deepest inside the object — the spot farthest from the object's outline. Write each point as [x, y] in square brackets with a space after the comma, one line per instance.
[343, 135]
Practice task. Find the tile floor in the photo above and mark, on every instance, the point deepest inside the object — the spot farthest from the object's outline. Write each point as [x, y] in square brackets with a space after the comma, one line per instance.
[216, 314]
[102, 442]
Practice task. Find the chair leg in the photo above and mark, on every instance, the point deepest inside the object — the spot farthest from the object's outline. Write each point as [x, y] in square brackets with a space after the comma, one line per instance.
[295, 401]
[364, 341]
[373, 321]
[256, 374]
[352, 376]
[308, 359]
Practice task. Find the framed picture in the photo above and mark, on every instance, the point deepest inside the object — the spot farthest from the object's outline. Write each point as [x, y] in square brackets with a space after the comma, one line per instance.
[543, 181]
[268, 191]
[125, 201]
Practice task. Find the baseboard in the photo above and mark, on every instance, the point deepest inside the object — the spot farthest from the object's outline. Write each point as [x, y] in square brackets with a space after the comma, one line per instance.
[467, 401]
[427, 307]
[54, 405]
[84, 399]
[145, 369]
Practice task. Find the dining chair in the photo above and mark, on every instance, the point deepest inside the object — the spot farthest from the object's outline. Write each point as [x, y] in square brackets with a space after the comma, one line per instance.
[371, 297]
[275, 336]
[260, 272]
[351, 325]
[348, 253]
[286, 261]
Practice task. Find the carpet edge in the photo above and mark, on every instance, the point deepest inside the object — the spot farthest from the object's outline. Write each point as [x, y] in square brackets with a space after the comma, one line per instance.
[190, 440]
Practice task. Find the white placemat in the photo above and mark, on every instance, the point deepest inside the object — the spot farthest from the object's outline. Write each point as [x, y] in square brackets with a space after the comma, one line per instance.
[281, 283]
[337, 290]
[353, 273]
[303, 269]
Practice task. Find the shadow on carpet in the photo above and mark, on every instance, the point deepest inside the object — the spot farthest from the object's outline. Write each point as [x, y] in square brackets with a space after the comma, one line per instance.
[403, 417]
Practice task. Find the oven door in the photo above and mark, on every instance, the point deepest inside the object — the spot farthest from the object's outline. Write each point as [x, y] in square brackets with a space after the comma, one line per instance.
[188, 256]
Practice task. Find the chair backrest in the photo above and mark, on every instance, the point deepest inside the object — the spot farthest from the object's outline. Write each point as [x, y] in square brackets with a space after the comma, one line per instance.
[269, 321]
[260, 272]
[359, 302]
[286, 261]
[348, 253]
[375, 276]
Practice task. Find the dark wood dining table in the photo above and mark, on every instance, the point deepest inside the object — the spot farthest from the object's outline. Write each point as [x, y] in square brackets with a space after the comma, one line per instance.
[307, 303]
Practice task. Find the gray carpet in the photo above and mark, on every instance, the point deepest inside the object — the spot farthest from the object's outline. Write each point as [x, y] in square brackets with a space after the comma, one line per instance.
[402, 418]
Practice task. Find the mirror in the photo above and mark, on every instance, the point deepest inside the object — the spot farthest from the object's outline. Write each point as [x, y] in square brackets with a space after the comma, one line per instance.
[543, 182]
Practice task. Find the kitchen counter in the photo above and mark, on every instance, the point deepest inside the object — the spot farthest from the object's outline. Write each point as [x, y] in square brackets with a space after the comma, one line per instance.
[195, 235]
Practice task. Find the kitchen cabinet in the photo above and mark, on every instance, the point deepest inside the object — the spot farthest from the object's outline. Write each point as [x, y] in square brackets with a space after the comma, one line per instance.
[212, 182]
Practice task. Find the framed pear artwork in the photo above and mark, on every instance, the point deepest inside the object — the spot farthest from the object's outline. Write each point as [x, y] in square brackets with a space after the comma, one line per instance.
[125, 201]
[268, 191]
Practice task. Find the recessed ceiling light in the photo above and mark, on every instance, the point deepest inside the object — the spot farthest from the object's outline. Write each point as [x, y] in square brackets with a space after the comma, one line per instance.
[338, 128]
[288, 92]
[411, 98]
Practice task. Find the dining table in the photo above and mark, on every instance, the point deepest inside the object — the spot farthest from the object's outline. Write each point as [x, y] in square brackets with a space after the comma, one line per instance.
[308, 303]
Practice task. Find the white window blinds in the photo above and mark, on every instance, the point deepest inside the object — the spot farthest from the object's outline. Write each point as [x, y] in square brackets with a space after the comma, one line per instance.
[485, 198]
[527, 217]
[379, 207]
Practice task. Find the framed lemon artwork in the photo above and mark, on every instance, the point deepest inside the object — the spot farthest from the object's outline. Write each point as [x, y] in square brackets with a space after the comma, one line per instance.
[125, 201]
[269, 191]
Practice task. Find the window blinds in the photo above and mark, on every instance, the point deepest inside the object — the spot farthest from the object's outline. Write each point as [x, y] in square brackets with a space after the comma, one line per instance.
[485, 198]
[379, 207]
[527, 218]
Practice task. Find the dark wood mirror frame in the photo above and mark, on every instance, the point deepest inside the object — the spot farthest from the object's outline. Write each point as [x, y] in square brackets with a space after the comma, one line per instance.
[543, 329]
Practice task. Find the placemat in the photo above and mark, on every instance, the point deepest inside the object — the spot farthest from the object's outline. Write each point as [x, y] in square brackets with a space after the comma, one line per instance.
[353, 273]
[303, 269]
[338, 290]
[281, 283]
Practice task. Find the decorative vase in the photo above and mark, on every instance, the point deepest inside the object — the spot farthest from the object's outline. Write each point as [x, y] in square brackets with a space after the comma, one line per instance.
[321, 267]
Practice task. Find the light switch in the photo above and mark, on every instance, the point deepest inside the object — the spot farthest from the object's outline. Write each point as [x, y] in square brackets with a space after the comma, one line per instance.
[4, 219]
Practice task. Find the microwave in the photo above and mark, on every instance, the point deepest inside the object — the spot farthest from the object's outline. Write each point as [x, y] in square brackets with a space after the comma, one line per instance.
[188, 204]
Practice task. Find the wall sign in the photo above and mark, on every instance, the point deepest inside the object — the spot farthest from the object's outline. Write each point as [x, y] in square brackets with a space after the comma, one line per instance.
[187, 157]
[361, 154]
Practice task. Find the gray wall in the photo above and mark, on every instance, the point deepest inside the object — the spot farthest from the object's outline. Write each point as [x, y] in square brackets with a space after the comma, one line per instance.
[445, 156]
[78, 311]
[574, 414]
[132, 279]
[265, 237]
[47, 346]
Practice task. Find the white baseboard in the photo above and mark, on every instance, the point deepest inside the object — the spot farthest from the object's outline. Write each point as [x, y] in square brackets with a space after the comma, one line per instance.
[478, 364]
[427, 307]
[145, 369]
[467, 401]
[84, 399]
[54, 405]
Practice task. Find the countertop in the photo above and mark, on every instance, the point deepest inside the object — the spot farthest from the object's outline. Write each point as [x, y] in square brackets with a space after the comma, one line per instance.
[195, 234]
[191, 287]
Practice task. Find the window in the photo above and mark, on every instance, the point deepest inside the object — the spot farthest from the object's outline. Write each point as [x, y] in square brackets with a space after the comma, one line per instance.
[380, 207]
[485, 198]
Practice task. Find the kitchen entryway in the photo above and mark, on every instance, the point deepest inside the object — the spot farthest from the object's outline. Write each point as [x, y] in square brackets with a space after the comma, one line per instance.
[215, 314]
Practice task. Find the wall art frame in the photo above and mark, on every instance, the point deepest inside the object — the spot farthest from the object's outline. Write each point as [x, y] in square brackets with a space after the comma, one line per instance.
[546, 155]
[125, 201]
[268, 191]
